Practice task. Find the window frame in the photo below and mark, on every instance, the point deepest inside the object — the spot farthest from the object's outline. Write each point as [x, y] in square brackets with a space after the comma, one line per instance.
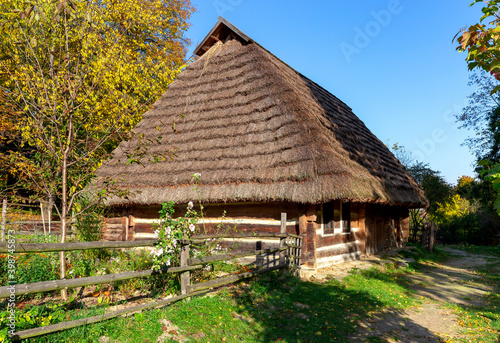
[343, 228]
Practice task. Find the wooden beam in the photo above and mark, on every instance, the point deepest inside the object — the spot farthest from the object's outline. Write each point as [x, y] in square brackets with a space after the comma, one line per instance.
[47, 247]
[54, 285]
[217, 258]
[99, 318]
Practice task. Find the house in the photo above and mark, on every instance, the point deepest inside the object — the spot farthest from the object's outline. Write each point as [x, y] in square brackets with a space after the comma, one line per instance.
[266, 140]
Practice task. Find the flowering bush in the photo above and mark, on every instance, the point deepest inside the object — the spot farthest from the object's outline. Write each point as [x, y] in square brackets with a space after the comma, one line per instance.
[170, 231]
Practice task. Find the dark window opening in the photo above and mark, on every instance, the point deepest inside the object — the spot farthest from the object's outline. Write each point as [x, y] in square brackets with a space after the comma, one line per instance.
[346, 217]
[328, 227]
[336, 217]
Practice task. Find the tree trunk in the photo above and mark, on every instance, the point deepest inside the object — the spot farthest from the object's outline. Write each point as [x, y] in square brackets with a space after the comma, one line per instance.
[64, 220]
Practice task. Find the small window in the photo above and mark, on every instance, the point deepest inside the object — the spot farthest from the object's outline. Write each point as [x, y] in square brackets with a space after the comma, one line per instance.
[336, 217]
[328, 222]
[346, 217]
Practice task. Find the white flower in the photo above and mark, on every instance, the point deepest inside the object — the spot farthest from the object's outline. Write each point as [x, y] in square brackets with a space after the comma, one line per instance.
[157, 233]
[190, 205]
[159, 252]
[192, 227]
[196, 175]
[168, 262]
[174, 242]
[169, 231]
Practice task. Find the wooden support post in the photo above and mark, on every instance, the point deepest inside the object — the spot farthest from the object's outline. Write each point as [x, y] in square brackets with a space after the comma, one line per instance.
[185, 276]
[43, 219]
[131, 230]
[4, 218]
[283, 240]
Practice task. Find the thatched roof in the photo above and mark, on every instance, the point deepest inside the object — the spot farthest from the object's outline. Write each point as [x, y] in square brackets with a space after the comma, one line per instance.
[257, 130]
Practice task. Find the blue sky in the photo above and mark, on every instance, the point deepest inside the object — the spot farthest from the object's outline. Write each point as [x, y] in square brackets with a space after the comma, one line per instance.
[392, 61]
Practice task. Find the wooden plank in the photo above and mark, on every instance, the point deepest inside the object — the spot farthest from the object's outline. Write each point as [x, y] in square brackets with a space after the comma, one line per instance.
[323, 241]
[54, 285]
[283, 223]
[217, 258]
[109, 221]
[47, 247]
[143, 228]
[184, 262]
[99, 318]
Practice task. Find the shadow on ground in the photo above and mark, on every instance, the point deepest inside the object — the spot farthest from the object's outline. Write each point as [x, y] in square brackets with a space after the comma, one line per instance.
[289, 309]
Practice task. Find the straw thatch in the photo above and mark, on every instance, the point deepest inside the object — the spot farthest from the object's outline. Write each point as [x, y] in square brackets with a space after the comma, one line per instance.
[257, 130]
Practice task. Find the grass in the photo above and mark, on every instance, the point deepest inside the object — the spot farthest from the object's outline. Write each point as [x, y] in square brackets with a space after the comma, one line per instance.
[283, 308]
[272, 308]
[482, 323]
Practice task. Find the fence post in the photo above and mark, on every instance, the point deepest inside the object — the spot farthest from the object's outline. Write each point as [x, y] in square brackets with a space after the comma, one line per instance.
[282, 239]
[299, 257]
[185, 276]
[4, 218]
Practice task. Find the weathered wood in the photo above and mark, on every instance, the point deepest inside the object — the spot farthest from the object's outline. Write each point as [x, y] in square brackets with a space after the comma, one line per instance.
[217, 258]
[231, 279]
[339, 238]
[109, 221]
[203, 238]
[55, 285]
[4, 219]
[47, 247]
[283, 223]
[184, 263]
[99, 318]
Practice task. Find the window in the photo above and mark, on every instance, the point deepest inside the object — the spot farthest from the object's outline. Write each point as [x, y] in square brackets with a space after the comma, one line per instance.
[336, 217]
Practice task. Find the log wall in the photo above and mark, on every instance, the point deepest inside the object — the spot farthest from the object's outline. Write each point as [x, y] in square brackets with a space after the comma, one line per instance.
[373, 228]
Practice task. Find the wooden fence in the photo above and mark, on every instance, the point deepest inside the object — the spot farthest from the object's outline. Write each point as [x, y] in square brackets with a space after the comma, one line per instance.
[286, 255]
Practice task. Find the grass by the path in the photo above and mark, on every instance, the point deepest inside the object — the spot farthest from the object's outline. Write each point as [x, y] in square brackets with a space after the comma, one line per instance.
[482, 323]
[274, 308]
[279, 308]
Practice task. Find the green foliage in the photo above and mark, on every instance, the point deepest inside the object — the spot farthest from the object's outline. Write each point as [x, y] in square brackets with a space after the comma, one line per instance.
[491, 173]
[170, 231]
[481, 41]
[436, 189]
[33, 267]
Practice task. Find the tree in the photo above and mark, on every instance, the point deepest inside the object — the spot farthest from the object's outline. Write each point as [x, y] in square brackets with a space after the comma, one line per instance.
[79, 75]
[482, 41]
[403, 155]
[436, 189]
[480, 114]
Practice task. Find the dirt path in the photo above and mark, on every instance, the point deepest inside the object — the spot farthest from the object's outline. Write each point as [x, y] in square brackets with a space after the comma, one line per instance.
[453, 282]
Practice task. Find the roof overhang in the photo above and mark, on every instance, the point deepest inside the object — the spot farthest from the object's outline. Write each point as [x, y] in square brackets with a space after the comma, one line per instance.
[222, 31]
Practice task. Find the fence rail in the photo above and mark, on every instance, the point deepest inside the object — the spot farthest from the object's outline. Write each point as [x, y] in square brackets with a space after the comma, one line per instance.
[50, 247]
[289, 256]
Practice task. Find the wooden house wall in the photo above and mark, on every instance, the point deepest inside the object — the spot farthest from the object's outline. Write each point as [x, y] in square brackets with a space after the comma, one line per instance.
[370, 228]
[340, 247]
[385, 227]
[236, 218]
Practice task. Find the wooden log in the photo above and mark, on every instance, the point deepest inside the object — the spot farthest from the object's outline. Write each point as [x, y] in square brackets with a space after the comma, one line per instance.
[230, 279]
[131, 226]
[184, 263]
[99, 318]
[217, 258]
[47, 247]
[55, 285]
